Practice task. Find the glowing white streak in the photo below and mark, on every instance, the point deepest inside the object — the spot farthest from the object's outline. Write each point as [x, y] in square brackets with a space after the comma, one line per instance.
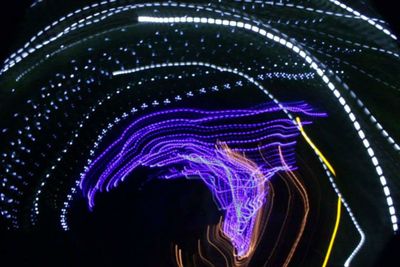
[308, 59]
[252, 80]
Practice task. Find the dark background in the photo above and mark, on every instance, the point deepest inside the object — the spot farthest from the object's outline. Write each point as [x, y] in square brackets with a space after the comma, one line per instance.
[22, 248]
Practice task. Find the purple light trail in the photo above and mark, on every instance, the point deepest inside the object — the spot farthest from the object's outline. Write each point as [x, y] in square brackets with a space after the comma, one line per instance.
[234, 152]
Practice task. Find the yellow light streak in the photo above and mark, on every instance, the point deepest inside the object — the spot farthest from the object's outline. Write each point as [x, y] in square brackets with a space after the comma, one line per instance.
[314, 147]
[339, 203]
[328, 253]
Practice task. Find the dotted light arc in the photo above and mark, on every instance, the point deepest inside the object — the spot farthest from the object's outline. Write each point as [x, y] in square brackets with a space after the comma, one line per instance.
[257, 84]
[313, 65]
[92, 19]
[368, 152]
[365, 18]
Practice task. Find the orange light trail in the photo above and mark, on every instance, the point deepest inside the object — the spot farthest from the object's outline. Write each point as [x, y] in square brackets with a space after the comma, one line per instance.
[281, 230]
[306, 204]
[178, 256]
[260, 179]
[201, 255]
[215, 246]
[286, 214]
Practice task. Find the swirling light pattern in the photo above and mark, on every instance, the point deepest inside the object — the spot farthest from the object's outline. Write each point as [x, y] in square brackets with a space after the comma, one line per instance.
[99, 91]
[205, 144]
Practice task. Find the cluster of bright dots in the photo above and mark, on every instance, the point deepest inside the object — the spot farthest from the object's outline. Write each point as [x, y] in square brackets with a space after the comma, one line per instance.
[112, 11]
[313, 65]
[30, 48]
[251, 80]
[319, 72]
[305, 8]
[167, 101]
[211, 16]
[207, 144]
[63, 78]
[124, 116]
[347, 42]
[365, 18]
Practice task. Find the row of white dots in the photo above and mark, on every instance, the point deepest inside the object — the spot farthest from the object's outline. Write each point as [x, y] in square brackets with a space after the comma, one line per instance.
[235, 71]
[308, 59]
[365, 18]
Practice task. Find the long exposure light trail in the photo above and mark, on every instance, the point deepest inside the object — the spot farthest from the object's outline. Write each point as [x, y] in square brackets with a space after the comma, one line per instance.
[339, 203]
[335, 229]
[192, 143]
[313, 63]
[192, 115]
[314, 147]
[306, 205]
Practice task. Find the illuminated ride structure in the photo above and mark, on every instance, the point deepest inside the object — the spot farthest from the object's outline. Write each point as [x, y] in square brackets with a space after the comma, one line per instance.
[285, 111]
